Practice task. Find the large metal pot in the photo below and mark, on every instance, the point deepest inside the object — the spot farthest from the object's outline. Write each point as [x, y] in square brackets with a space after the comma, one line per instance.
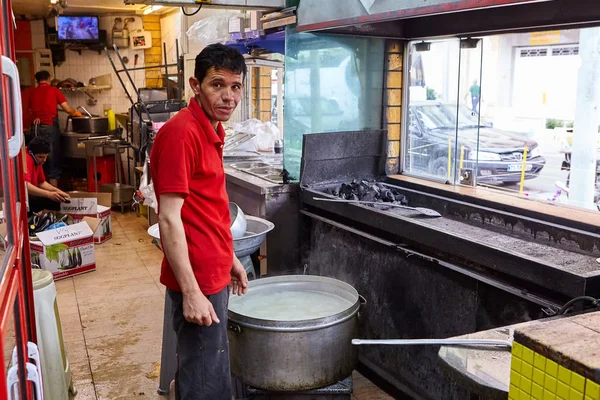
[292, 355]
[89, 124]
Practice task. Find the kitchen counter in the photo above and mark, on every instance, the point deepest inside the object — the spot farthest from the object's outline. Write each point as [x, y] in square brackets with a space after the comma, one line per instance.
[255, 184]
[276, 202]
[487, 371]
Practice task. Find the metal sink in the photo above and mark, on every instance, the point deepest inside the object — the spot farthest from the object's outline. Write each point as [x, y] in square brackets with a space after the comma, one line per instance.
[266, 171]
[249, 165]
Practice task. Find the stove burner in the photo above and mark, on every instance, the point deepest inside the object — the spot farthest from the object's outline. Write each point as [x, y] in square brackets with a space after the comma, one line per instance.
[338, 391]
[369, 191]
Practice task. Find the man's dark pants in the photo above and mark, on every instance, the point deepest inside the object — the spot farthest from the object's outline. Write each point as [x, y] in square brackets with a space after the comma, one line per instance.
[202, 352]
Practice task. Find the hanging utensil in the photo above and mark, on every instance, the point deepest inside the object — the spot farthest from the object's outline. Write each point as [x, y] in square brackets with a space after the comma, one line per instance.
[428, 212]
[440, 342]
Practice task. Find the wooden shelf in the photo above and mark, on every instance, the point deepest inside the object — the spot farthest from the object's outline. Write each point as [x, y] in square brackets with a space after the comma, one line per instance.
[87, 89]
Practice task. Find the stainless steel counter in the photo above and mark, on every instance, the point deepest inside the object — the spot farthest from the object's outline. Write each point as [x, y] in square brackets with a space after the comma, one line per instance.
[278, 203]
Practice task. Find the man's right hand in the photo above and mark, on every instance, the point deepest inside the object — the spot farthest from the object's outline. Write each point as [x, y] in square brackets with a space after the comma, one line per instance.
[198, 309]
[56, 196]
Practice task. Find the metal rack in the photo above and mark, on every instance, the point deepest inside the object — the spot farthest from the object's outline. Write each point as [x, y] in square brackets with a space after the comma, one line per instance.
[144, 109]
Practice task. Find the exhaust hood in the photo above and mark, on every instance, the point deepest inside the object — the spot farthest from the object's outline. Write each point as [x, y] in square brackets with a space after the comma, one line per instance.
[237, 4]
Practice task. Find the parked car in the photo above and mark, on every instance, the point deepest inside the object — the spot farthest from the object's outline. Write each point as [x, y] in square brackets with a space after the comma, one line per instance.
[497, 153]
[300, 109]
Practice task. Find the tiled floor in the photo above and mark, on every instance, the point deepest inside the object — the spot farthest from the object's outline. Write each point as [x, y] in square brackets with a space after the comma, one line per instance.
[112, 319]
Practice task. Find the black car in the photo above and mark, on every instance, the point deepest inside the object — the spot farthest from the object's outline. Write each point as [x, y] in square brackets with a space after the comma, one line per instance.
[434, 127]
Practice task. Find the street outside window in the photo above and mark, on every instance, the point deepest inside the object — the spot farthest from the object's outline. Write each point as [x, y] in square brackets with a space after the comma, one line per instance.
[517, 113]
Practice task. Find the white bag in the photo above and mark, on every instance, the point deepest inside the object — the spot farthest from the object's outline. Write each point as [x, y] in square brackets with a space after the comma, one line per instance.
[147, 189]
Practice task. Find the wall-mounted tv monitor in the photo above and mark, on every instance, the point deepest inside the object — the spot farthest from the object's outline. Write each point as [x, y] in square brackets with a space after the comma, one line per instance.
[77, 28]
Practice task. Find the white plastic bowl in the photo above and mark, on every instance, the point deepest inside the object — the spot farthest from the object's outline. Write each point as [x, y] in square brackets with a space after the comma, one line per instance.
[238, 221]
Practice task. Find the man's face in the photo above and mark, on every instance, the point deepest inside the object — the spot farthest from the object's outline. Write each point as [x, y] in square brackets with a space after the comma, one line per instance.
[219, 93]
[41, 158]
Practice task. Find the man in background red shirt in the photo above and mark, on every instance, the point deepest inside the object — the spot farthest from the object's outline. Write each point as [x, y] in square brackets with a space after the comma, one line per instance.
[44, 114]
[189, 181]
[42, 195]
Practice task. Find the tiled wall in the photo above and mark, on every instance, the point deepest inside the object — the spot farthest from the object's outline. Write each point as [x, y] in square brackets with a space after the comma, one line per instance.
[154, 54]
[393, 103]
[91, 64]
[534, 376]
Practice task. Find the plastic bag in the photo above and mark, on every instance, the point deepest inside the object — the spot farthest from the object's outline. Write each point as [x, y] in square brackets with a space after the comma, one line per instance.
[147, 189]
[265, 133]
[211, 30]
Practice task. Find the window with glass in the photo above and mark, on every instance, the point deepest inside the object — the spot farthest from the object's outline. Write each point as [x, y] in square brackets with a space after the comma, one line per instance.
[332, 84]
[513, 112]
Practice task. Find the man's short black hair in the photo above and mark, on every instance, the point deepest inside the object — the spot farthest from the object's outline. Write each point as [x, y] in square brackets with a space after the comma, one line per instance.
[42, 76]
[39, 145]
[220, 57]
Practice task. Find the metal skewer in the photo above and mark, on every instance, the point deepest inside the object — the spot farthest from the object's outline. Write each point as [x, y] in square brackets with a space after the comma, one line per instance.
[442, 342]
[424, 211]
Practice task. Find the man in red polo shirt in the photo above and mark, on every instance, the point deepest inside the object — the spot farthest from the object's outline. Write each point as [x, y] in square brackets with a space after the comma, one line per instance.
[42, 195]
[44, 114]
[189, 181]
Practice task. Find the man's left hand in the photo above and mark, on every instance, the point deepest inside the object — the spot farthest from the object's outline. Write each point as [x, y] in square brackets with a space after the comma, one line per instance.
[239, 278]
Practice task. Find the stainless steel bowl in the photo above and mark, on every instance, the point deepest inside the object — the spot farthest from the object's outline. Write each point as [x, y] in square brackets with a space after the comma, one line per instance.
[238, 224]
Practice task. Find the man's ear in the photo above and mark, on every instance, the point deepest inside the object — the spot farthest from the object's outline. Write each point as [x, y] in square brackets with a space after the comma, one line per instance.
[195, 84]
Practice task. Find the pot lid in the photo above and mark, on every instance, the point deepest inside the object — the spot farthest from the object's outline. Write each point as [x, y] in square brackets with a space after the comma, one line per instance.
[293, 298]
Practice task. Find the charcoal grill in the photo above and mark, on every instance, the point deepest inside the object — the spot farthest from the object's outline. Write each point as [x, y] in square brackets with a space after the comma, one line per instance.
[330, 159]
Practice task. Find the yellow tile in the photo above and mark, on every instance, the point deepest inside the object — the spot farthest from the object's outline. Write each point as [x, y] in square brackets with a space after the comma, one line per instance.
[393, 114]
[393, 131]
[515, 378]
[395, 62]
[549, 395]
[525, 385]
[550, 384]
[539, 361]
[394, 98]
[514, 392]
[577, 382]
[537, 392]
[575, 395]
[517, 350]
[592, 390]
[393, 149]
[562, 391]
[394, 80]
[515, 364]
[527, 370]
[564, 375]
[527, 355]
[552, 368]
[538, 377]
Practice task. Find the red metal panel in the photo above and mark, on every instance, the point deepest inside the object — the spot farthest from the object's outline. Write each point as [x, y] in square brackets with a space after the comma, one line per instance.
[440, 7]
[15, 282]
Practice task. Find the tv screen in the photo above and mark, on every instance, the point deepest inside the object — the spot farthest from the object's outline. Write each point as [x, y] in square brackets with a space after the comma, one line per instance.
[78, 28]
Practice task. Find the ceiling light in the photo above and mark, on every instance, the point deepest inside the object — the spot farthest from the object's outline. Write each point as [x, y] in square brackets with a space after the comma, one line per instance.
[151, 9]
[53, 2]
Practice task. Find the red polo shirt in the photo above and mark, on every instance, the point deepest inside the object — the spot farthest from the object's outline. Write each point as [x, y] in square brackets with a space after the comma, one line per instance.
[187, 158]
[43, 102]
[35, 172]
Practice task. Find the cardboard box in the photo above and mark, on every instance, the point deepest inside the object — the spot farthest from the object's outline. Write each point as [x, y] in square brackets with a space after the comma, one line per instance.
[96, 205]
[66, 251]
